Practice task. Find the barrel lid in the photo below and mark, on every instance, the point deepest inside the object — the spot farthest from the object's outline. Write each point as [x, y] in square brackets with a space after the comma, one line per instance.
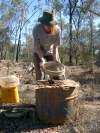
[58, 83]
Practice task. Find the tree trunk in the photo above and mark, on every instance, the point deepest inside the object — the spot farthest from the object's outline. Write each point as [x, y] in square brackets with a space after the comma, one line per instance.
[18, 47]
[70, 36]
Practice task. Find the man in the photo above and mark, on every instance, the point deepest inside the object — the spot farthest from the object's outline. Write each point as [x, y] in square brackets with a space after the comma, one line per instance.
[47, 38]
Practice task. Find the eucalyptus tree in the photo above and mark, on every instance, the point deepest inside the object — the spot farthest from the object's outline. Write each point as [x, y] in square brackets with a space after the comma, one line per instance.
[10, 15]
[83, 12]
[90, 11]
[91, 17]
[23, 20]
[15, 16]
[78, 46]
[4, 42]
[72, 6]
[19, 9]
[4, 30]
[97, 46]
[27, 49]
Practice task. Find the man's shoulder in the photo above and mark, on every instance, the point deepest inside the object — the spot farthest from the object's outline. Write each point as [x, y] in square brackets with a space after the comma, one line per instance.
[37, 26]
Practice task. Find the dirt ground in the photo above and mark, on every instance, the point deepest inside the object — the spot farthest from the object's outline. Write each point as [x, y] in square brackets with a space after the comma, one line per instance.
[89, 101]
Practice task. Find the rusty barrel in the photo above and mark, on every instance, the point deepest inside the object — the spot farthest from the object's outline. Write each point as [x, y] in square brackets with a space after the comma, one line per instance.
[57, 103]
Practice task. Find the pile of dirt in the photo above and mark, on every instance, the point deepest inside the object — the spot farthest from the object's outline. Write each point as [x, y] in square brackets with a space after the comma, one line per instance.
[52, 82]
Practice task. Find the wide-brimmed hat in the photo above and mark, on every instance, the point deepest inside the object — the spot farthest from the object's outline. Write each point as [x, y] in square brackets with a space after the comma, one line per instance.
[48, 18]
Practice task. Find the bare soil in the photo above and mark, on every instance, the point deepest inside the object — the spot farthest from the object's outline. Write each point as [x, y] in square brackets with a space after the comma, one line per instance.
[89, 100]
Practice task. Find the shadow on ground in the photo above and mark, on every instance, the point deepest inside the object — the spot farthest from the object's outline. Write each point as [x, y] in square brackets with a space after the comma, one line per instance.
[27, 123]
[91, 99]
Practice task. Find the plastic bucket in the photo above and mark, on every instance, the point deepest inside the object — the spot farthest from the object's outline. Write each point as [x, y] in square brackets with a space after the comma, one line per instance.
[9, 95]
[9, 81]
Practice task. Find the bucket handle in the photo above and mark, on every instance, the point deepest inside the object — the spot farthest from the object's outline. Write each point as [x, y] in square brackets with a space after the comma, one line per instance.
[67, 87]
[71, 97]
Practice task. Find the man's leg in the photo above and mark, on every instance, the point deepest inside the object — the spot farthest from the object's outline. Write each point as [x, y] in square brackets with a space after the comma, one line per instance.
[39, 73]
[49, 58]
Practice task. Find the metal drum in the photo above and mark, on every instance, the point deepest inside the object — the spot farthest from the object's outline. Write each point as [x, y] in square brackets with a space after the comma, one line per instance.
[56, 104]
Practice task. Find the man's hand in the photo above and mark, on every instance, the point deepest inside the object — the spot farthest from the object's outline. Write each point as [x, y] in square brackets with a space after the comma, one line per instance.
[40, 54]
[42, 62]
[55, 54]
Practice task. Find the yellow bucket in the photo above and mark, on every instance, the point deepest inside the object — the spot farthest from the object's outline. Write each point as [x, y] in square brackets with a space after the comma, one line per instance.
[9, 95]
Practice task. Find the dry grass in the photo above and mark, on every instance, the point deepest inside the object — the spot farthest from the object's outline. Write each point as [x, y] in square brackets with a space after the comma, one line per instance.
[89, 102]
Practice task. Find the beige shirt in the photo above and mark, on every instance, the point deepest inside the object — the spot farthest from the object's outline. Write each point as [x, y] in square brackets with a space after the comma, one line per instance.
[46, 41]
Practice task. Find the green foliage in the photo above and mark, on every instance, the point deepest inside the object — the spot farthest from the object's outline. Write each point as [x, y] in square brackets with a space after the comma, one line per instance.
[25, 55]
[13, 14]
[10, 52]
[98, 60]
[15, 2]
[97, 56]
[63, 54]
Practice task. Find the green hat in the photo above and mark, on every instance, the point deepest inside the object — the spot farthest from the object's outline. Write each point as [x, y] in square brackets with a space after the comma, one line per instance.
[48, 18]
